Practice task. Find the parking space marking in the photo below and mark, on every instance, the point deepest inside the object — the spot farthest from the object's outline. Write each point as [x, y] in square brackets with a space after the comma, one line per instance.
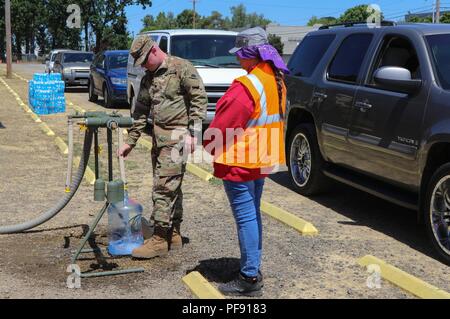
[62, 145]
[303, 227]
[46, 129]
[89, 175]
[200, 287]
[199, 172]
[404, 280]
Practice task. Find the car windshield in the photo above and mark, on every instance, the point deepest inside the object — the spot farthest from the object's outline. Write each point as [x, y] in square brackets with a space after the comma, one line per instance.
[53, 58]
[440, 50]
[205, 50]
[118, 61]
[78, 57]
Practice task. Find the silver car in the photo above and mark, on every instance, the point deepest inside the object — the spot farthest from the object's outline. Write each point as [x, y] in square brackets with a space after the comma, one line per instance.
[74, 67]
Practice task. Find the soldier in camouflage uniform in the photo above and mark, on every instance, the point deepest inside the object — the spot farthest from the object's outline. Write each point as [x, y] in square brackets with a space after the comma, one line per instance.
[173, 97]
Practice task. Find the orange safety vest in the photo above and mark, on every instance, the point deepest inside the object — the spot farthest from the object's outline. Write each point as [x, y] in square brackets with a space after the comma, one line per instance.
[261, 144]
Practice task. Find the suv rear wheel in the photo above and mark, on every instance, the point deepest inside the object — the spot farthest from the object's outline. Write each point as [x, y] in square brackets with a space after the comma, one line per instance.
[92, 96]
[436, 212]
[107, 97]
[305, 161]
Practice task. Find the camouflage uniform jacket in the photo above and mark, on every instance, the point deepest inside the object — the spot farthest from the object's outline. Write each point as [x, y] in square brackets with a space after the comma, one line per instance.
[173, 96]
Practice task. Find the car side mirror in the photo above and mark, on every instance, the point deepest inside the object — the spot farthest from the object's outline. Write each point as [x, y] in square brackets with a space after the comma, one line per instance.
[397, 79]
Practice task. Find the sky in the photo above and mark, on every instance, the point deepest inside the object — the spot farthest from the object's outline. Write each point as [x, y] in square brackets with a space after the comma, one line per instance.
[284, 12]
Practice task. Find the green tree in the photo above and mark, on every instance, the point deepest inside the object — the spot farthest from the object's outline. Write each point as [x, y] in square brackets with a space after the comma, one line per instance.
[324, 21]
[358, 13]
[216, 21]
[276, 42]
[445, 18]
[185, 20]
[239, 16]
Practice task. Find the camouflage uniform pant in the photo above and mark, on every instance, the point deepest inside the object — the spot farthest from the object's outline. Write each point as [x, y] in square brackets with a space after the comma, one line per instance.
[168, 173]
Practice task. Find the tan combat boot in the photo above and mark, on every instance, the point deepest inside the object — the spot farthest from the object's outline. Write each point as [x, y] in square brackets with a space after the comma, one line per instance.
[176, 240]
[156, 246]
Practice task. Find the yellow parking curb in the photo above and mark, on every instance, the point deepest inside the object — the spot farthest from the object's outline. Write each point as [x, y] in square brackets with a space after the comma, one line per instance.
[46, 129]
[404, 280]
[197, 171]
[302, 226]
[62, 145]
[89, 175]
[200, 287]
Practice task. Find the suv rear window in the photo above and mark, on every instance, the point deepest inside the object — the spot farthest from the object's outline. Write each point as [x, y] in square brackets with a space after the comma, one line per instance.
[349, 57]
[440, 51]
[309, 53]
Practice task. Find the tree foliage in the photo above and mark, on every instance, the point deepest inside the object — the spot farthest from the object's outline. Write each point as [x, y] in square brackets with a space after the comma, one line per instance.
[42, 24]
[185, 20]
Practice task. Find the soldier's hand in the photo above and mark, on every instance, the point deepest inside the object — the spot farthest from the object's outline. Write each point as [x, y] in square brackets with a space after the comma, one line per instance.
[124, 151]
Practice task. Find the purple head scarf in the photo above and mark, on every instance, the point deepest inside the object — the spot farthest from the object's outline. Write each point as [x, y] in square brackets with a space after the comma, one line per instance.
[265, 52]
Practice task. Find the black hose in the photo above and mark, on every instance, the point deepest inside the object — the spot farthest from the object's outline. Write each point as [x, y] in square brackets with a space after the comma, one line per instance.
[46, 216]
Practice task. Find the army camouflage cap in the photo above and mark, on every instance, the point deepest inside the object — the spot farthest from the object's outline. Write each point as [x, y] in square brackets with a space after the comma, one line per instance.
[251, 37]
[140, 49]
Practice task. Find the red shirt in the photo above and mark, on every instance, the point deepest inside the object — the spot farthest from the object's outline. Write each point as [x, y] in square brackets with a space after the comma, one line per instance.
[234, 110]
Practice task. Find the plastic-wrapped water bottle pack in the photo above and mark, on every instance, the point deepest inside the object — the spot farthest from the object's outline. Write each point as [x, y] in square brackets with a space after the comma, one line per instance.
[46, 93]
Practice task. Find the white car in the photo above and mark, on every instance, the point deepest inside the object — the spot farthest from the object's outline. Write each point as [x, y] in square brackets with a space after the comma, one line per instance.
[208, 52]
[50, 63]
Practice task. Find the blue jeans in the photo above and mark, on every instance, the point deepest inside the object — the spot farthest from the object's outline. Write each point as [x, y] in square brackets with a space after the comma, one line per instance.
[245, 201]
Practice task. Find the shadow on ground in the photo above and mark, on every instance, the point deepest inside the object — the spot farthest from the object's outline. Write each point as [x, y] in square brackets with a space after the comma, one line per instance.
[367, 210]
[220, 270]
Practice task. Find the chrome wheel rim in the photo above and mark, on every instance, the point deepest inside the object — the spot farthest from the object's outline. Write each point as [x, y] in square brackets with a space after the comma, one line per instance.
[440, 214]
[300, 160]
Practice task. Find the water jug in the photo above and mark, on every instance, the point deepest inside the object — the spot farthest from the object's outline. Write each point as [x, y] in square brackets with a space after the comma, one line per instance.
[125, 227]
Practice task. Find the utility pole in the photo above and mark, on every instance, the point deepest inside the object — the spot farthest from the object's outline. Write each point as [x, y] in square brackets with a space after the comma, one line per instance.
[438, 11]
[194, 2]
[8, 39]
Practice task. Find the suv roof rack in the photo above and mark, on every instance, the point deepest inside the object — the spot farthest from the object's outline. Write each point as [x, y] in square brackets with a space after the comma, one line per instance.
[357, 23]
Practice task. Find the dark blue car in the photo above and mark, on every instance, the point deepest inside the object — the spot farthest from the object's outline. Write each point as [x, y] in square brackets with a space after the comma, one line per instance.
[109, 78]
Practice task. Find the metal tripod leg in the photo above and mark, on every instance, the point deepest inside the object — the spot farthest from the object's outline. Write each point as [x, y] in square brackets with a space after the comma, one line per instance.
[80, 251]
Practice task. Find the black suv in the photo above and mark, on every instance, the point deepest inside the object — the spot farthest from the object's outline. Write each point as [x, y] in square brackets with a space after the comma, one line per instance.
[370, 107]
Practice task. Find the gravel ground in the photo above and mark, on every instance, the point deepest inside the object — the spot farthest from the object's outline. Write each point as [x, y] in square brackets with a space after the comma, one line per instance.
[352, 224]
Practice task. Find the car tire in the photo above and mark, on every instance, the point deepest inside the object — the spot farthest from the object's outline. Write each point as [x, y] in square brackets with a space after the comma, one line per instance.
[305, 168]
[436, 212]
[92, 96]
[107, 98]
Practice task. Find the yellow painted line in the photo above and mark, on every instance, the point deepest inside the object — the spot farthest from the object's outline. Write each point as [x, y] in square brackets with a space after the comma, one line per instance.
[200, 287]
[146, 144]
[404, 280]
[302, 226]
[46, 129]
[62, 145]
[77, 108]
[89, 175]
[197, 171]
[35, 118]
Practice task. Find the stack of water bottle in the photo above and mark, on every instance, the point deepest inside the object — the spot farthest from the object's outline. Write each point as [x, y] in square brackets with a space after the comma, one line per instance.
[46, 93]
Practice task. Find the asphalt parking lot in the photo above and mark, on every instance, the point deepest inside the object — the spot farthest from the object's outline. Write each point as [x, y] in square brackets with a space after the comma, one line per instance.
[351, 224]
